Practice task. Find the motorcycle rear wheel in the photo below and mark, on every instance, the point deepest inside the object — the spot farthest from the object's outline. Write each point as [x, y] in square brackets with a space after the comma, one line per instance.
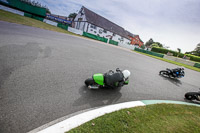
[89, 81]
[164, 73]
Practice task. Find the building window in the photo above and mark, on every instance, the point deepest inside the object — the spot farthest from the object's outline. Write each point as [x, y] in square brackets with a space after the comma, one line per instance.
[114, 34]
[80, 19]
[121, 39]
[100, 31]
[93, 26]
[104, 31]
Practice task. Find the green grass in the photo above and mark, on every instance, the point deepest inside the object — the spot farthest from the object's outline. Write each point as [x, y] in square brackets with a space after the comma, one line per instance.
[173, 62]
[158, 118]
[15, 18]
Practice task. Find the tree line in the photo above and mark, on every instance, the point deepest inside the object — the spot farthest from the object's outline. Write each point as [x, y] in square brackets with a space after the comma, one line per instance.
[151, 44]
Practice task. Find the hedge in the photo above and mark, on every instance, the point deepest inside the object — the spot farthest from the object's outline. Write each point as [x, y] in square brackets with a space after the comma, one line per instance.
[193, 57]
[149, 52]
[197, 65]
[165, 51]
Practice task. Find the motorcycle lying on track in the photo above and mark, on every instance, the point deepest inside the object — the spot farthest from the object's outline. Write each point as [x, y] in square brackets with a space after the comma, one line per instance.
[173, 73]
[193, 95]
[110, 79]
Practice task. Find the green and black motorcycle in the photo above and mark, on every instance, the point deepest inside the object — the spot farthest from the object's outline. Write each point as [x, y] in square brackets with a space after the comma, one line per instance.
[110, 79]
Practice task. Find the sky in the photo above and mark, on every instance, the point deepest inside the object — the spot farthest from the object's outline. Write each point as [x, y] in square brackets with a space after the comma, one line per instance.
[174, 23]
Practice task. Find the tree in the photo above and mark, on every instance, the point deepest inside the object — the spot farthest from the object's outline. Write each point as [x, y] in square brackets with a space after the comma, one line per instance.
[72, 15]
[159, 44]
[47, 9]
[149, 43]
[143, 47]
[154, 45]
[179, 51]
[196, 51]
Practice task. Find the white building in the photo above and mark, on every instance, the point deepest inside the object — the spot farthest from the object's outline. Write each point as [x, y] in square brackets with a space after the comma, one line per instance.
[90, 22]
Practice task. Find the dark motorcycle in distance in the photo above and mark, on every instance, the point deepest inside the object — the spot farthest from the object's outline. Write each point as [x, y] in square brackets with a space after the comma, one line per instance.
[110, 79]
[193, 95]
[173, 73]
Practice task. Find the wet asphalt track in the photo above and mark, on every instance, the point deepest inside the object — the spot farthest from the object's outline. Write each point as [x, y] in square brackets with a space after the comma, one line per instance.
[42, 76]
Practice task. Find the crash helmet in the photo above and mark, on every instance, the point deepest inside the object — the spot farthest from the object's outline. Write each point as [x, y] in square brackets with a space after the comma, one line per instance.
[126, 73]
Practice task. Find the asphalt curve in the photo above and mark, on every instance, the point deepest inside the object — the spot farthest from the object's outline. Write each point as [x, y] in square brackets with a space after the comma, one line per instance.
[42, 76]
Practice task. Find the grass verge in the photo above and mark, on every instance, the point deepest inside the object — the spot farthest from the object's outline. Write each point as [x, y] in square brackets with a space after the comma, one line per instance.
[156, 118]
[15, 18]
[173, 62]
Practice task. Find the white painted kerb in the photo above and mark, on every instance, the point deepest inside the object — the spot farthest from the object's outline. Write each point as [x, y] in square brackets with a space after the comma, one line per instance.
[77, 120]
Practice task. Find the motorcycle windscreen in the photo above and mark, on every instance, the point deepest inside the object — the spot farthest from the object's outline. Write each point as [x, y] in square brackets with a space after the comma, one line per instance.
[99, 78]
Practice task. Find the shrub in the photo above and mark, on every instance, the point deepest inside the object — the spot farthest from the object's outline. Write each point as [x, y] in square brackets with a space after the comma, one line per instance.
[165, 51]
[181, 55]
[193, 57]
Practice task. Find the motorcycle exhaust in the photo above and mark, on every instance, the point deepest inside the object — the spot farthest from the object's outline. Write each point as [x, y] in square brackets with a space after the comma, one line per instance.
[93, 87]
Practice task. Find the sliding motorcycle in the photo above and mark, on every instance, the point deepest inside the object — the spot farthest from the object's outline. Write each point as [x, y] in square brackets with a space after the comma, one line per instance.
[173, 73]
[110, 79]
[193, 95]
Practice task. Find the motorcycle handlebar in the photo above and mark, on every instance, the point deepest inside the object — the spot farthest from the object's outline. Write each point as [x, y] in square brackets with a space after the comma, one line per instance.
[118, 70]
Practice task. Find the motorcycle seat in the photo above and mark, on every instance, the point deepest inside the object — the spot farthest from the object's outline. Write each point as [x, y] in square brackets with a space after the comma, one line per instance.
[112, 78]
[168, 69]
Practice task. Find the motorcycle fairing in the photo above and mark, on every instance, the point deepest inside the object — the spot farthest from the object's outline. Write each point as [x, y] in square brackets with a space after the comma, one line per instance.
[99, 78]
[126, 82]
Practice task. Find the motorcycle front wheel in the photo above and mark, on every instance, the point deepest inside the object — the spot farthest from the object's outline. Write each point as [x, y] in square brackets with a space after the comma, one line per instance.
[190, 95]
